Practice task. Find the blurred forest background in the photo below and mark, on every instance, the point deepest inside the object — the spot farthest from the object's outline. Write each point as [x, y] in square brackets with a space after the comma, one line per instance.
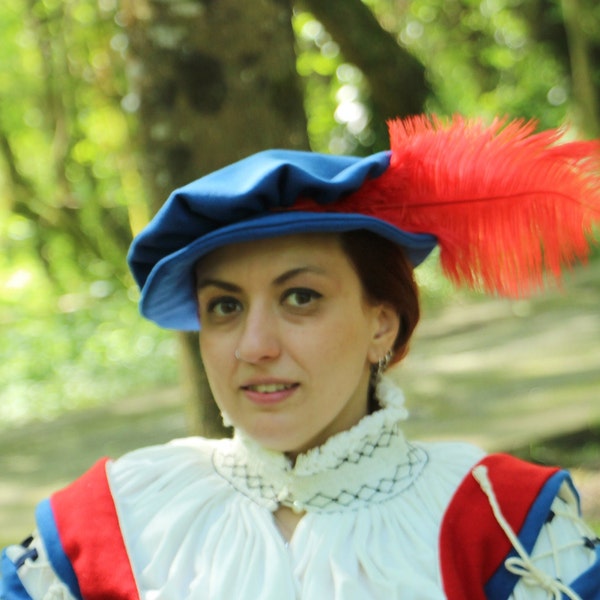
[106, 106]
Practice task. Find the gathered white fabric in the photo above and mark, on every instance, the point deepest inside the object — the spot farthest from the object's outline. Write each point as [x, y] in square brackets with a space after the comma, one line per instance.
[197, 514]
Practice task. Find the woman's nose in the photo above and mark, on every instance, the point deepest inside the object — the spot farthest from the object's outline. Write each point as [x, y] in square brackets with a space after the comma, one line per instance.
[259, 339]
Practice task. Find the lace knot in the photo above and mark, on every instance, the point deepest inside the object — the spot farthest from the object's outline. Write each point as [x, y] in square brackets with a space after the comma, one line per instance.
[524, 568]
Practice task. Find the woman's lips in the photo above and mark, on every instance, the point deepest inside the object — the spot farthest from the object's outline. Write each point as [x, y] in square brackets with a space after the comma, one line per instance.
[269, 393]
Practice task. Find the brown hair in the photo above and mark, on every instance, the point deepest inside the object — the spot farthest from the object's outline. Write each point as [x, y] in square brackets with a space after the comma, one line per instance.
[387, 277]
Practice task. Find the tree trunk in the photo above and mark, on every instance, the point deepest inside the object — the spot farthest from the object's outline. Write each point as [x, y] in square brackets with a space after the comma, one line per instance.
[214, 81]
[582, 71]
[202, 414]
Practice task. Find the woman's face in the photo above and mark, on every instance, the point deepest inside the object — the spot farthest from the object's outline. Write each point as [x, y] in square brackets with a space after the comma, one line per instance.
[293, 311]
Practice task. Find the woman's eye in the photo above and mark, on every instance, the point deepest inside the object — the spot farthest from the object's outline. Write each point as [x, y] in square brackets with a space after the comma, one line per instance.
[301, 297]
[222, 307]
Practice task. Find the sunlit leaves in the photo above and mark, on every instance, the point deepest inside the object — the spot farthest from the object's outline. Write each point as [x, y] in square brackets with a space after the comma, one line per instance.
[66, 131]
[68, 186]
[335, 91]
[484, 58]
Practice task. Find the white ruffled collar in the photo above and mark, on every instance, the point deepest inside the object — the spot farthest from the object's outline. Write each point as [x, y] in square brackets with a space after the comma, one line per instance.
[369, 463]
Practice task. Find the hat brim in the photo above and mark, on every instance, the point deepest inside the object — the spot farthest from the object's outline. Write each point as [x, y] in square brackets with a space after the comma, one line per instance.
[169, 297]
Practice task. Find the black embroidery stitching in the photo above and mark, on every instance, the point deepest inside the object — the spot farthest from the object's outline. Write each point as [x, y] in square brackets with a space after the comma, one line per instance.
[385, 489]
[366, 493]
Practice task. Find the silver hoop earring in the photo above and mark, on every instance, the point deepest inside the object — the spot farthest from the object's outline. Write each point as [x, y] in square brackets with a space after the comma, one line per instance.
[384, 363]
[237, 355]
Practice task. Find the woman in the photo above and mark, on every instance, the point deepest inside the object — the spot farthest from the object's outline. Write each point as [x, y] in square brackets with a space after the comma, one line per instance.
[297, 269]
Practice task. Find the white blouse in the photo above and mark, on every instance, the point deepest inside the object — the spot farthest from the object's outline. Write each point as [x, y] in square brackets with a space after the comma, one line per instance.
[197, 517]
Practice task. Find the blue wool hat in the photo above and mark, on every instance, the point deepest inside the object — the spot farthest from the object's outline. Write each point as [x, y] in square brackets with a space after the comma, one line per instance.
[250, 200]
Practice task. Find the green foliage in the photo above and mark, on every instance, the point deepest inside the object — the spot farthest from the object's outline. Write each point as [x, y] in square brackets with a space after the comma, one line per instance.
[78, 350]
[70, 194]
[66, 161]
[483, 57]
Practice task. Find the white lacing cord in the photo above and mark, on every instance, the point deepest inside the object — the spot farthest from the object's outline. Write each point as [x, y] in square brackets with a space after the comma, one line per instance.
[521, 565]
[555, 549]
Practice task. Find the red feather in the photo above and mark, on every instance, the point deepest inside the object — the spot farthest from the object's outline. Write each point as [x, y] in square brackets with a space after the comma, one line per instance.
[505, 203]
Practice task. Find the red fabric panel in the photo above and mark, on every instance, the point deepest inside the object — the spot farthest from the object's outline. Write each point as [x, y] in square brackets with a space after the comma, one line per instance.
[89, 530]
[472, 543]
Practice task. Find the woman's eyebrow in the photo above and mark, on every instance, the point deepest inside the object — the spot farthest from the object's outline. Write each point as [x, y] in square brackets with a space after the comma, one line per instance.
[279, 280]
[298, 271]
[224, 285]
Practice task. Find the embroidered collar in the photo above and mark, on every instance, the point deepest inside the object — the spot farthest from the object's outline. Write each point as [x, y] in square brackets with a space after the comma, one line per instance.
[369, 463]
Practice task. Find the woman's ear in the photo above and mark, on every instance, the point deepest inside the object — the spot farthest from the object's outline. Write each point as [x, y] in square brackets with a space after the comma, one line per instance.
[387, 324]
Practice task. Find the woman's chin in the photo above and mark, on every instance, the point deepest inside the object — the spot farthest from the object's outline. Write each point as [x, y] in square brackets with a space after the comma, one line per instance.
[278, 439]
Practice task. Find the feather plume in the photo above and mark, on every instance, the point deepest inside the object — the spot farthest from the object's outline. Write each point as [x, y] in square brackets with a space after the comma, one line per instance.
[506, 203]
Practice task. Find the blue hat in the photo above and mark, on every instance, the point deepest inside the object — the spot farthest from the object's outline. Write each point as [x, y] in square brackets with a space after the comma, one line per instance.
[249, 200]
[503, 202]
